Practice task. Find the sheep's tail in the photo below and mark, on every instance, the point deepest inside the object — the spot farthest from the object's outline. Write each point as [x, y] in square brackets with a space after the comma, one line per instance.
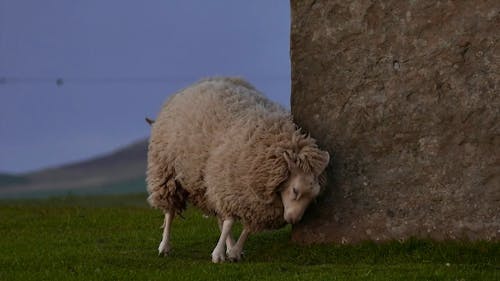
[150, 121]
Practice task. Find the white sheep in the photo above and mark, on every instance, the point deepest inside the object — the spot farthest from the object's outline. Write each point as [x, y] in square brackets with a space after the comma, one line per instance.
[225, 148]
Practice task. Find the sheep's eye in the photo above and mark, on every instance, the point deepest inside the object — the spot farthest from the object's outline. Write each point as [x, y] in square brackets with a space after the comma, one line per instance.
[295, 192]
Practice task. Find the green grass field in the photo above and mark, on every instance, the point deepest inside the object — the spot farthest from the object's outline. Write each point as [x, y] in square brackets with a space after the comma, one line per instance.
[116, 237]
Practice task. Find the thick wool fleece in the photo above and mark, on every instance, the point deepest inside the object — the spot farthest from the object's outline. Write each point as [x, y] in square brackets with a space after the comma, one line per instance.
[219, 144]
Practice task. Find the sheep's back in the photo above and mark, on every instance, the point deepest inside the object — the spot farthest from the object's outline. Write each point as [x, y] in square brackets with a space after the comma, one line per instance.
[192, 123]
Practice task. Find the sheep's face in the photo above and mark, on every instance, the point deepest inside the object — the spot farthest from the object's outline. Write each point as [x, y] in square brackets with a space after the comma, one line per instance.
[298, 192]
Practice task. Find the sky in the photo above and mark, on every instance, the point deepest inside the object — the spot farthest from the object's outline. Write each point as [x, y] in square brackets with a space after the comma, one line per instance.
[116, 63]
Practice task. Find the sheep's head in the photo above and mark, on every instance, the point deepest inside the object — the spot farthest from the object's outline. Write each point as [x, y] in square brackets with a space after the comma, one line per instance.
[302, 186]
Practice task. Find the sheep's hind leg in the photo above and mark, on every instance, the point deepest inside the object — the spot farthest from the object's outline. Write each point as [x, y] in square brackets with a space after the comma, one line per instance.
[218, 254]
[229, 240]
[164, 247]
[236, 252]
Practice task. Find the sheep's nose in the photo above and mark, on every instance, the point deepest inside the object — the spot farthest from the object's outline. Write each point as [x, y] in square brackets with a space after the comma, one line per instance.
[290, 219]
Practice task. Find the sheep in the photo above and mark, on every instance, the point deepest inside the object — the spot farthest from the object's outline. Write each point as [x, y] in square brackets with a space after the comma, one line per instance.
[225, 148]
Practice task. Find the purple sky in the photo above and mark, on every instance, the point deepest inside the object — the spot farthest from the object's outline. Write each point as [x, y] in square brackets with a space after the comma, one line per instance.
[119, 61]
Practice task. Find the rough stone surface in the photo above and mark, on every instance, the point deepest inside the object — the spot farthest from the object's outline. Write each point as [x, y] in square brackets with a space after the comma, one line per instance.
[405, 95]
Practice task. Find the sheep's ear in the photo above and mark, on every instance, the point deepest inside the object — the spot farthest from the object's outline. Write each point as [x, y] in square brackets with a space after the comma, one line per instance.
[326, 156]
[150, 121]
[319, 161]
[288, 159]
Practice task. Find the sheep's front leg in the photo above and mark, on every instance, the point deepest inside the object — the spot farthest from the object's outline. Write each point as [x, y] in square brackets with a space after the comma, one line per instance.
[236, 252]
[218, 254]
[164, 247]
[229, 239]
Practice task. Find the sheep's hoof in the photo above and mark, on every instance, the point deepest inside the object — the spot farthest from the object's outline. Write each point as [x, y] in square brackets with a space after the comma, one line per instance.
[163, 249]
[235, 255]
[218, 257]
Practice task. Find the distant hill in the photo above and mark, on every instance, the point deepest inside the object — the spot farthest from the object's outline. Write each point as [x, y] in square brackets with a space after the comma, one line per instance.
[7, 179]
[120, 171]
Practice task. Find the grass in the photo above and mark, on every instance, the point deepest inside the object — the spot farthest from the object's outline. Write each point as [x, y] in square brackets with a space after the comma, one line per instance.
[115, 238]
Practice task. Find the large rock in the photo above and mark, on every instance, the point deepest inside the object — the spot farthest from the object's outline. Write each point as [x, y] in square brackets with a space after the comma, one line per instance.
[405, 95]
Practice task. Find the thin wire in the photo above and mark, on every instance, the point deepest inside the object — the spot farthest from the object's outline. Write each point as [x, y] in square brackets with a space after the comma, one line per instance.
[86, 80]
[59, 81]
